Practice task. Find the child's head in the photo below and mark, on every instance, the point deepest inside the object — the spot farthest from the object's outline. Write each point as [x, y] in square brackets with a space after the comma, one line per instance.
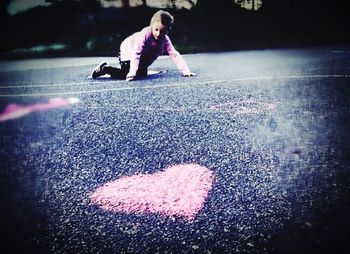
[161, 23]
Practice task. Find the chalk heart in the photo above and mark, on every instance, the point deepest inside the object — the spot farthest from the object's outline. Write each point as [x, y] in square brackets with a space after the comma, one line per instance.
[179, 191]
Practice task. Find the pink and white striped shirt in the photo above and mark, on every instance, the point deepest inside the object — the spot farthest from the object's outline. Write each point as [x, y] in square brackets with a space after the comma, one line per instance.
[141, 49]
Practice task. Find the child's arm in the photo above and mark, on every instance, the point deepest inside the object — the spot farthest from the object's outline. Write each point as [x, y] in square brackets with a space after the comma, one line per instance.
[135, 47]
[178, 59]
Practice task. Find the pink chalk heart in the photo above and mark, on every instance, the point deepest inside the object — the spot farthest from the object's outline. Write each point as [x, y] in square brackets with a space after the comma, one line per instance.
[179, 190]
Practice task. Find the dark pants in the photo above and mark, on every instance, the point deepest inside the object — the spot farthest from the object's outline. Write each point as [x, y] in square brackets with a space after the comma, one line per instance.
[120, 73]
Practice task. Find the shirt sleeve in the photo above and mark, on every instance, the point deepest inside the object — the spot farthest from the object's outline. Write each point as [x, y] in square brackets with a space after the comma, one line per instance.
[136, 47]
[175, 55]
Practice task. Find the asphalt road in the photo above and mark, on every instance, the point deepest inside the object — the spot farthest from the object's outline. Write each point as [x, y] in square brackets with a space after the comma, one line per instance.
[273, 126]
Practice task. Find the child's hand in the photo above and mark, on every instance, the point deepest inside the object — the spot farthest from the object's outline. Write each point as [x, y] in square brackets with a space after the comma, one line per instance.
[129, 78]
[189, 74]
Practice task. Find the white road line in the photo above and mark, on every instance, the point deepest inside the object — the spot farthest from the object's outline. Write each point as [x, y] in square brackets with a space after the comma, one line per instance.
[91, 82]
[44, 85]
[175, 85]
[59, 84]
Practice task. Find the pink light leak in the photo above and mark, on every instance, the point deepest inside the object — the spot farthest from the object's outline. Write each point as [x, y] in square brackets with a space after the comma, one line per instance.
[179, 190]
[13, 111]
[244, 107]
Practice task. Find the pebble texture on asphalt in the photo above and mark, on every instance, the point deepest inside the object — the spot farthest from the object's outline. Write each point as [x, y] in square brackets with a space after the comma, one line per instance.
[271, 126]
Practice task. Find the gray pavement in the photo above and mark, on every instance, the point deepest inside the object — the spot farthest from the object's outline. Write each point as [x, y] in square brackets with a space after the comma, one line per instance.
[272, 125]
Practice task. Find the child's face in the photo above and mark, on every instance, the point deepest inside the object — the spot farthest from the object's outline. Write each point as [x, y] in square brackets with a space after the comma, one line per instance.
[159, 30]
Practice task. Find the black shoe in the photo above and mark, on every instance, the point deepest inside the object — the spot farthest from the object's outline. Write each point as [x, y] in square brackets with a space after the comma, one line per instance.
[98, 71]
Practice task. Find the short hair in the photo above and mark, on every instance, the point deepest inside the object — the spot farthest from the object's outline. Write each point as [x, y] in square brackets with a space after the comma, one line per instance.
[164, 17]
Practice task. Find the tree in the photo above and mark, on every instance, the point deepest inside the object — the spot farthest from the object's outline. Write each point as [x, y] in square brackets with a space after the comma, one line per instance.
[3, 8]
[126, 3]
[209, 4]
[173, 3]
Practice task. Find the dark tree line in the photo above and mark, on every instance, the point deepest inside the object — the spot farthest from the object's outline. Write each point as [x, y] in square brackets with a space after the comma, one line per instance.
[215, 25]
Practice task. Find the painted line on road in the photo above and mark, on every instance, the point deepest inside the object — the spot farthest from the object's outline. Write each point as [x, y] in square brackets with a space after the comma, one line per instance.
[60, 84]
[173, 85]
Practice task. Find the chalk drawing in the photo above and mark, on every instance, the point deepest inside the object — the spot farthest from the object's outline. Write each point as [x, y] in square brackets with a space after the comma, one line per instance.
[14, 111]
[179, 191]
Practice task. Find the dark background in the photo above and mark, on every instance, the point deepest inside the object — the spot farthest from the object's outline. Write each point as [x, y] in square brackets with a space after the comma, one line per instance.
[87, 29]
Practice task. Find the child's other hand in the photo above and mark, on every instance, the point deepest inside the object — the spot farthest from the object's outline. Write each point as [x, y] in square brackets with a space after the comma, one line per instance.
[189, 74]
[129, 78]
